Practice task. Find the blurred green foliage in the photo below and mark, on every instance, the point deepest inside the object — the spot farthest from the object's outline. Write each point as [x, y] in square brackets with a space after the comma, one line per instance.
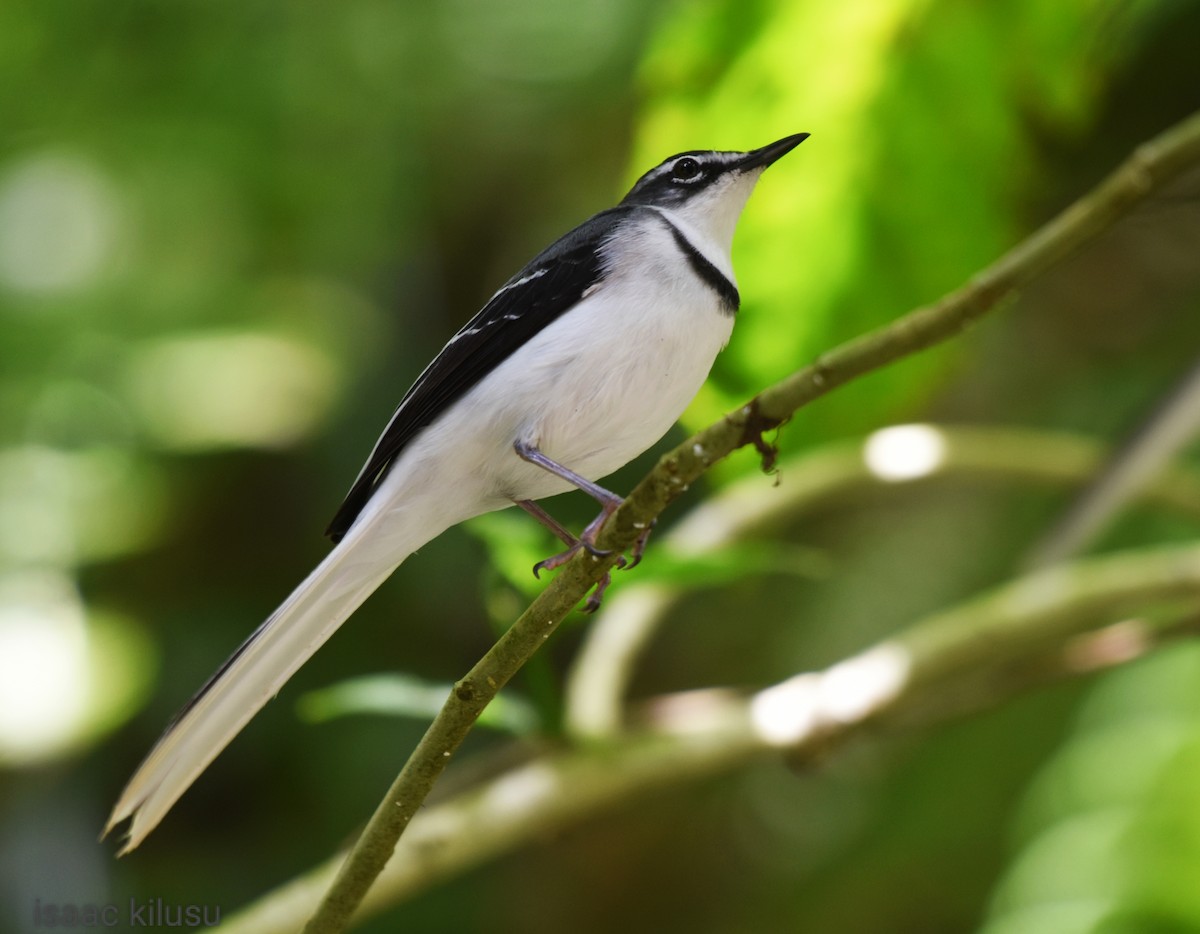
[405, 696]
[231, 235]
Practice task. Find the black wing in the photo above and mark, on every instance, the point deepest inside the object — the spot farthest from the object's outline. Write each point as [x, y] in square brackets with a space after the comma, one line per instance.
[533, 298]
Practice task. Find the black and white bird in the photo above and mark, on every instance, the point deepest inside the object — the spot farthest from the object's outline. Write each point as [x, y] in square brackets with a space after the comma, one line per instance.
[578, 364]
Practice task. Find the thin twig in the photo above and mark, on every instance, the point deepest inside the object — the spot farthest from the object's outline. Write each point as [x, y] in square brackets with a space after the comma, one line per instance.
[1140, 459]
[1145, 172]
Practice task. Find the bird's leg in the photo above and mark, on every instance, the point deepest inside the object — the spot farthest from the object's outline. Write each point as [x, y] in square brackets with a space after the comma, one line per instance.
[609, 502]
[573, 546]
[552, 524]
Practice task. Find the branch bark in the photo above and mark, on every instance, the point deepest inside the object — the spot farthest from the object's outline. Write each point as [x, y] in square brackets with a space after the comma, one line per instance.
[1151, 166]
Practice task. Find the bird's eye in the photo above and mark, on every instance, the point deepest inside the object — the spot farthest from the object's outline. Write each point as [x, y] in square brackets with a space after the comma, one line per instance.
[686, 169]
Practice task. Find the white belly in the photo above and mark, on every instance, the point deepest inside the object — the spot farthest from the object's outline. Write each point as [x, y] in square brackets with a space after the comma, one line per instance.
[591, 393]
[630, 379]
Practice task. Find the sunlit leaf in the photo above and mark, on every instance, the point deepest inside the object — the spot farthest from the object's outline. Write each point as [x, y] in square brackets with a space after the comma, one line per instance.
[875, 214]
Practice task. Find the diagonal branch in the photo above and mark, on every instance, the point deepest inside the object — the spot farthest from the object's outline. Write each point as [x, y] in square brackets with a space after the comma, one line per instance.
[1150, 167]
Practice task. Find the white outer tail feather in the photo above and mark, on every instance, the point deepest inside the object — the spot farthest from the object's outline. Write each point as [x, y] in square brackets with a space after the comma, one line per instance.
[289, 637]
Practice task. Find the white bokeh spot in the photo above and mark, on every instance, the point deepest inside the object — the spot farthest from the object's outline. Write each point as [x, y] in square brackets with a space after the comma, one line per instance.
[44, 672]
[59, 223]
[904, 452]
[789, 712]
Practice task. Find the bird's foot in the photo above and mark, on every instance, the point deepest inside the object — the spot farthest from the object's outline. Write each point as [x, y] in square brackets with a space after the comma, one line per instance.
[639, 547]
[558, 560]
[587, 542]
[554, 562]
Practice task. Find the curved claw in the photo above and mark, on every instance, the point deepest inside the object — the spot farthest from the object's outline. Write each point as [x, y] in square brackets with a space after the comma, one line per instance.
[639, 547]
[594, 551]
[597, 595]
[556, 561]
[587, 542]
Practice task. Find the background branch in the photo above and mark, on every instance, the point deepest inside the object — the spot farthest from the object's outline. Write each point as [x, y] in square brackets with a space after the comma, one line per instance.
[751, 508]
[1137, 462]
[1152, 165]
[1044, 628]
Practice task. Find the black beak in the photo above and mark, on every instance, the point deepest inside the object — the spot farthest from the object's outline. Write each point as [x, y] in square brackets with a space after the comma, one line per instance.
[768, 154]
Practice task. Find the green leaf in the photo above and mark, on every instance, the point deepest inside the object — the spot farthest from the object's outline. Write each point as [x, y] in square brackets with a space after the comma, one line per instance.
[400, 695]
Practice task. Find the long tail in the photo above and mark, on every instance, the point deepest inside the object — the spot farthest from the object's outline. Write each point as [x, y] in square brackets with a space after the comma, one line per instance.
[253, 675]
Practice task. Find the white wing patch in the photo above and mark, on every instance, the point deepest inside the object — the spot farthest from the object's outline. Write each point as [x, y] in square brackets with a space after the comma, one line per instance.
[469, 332]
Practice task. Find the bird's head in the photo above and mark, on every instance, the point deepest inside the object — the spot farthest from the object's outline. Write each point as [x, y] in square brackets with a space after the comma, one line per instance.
[708, 188]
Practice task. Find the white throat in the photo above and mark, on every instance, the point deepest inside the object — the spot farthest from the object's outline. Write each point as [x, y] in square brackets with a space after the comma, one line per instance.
[709, 220]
